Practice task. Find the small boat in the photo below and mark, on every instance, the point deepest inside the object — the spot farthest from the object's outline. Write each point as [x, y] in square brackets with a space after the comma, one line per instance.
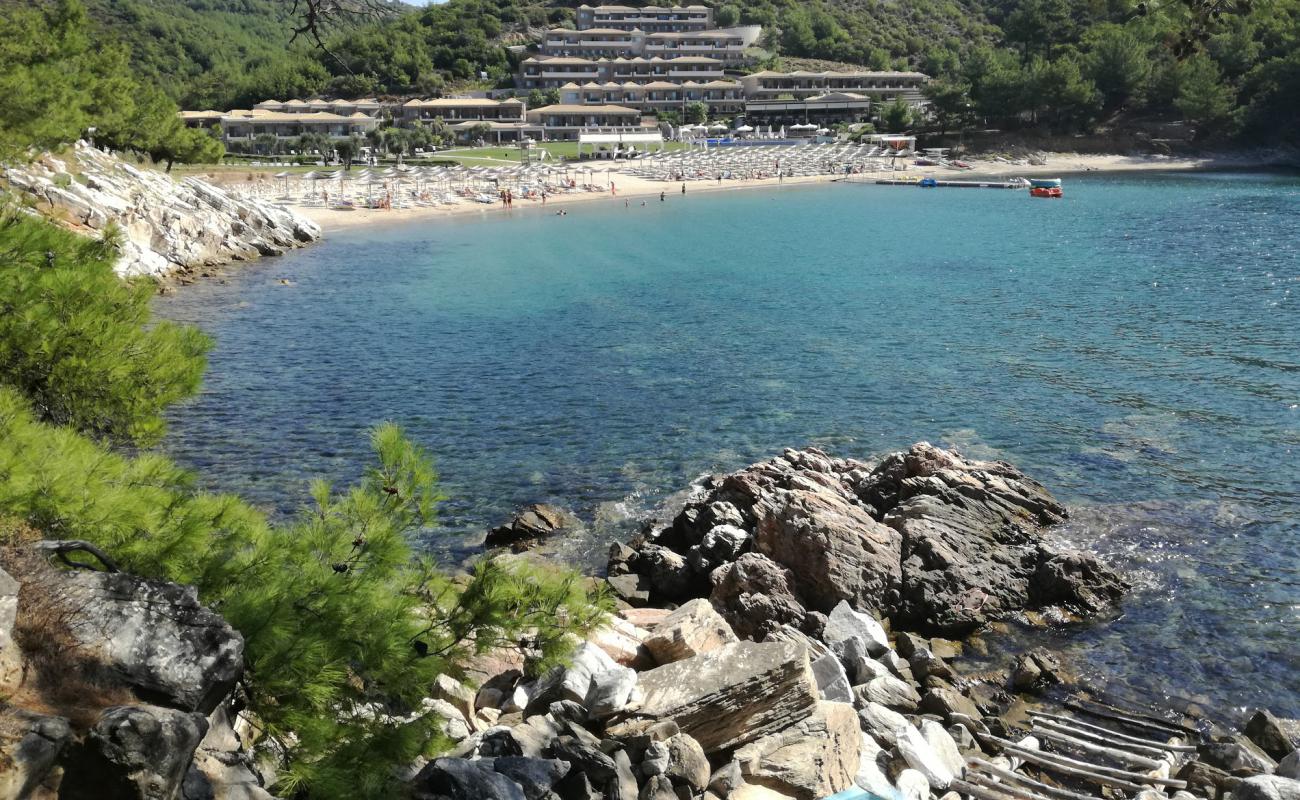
[928, 183]
[1045, 187]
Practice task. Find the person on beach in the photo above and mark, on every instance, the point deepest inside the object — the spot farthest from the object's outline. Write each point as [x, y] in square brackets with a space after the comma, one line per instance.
[683, 187]
[661, 196]
[613, 189]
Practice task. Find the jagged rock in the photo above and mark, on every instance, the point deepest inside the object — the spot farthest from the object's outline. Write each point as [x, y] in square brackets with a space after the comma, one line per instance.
[645, 618]
[926, 665]
[888, 691]
[610, 691]
[944, 701]
[832, 680]
[694, 628]
[453, 691]
[1237, 755]
[631, 587]
[730, 696]
[1276, 737]
[30, 744]
[658, 787]
[687, 764]
[535, 776]
[655, 760]
[928, 539]
[670, 576]
[845, 626]
[170, 649]
[923, 758]
[912, 785]
[1289, 767]
[168, 225]
[453, 722]
[944, 747]
[533, 522]
[833, 548]
[624, 642]
[1207, 781]
[881, 724]
[222, 768]
[460, 779]
[624, 785]
[722, 544]
[1267, 787]
[1035, 670]
[872, 774]
[1074, 580]
[133, 752]
[726, 779]
[814, 758]
[586, 756]
[755, 595]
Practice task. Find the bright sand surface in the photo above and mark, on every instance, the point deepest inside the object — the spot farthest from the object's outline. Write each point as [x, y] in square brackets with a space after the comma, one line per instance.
[631, 188]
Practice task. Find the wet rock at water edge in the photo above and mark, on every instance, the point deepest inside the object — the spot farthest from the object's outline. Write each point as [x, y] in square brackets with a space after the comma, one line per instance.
[1275, 736]
[529, 525]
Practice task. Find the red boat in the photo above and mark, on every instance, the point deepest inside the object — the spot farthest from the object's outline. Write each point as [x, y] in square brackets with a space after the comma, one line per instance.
[1050, 187]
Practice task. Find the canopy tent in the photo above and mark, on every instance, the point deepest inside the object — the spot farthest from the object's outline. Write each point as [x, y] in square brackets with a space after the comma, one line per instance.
[620, 139]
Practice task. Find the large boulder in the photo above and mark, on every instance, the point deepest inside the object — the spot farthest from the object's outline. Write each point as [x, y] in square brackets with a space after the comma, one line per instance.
[728, 697]
[1276, 737]
[531, 523]
[816, 757]
[157, 637]
[222, 768]
[133, 753]
[694, 628]
[756, 595]
[831, 545]
[30, 744]
[1267, 787]
[926, 538]
[461, 779]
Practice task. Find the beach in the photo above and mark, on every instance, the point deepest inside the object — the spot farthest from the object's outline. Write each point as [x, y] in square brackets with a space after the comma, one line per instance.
[632, 188]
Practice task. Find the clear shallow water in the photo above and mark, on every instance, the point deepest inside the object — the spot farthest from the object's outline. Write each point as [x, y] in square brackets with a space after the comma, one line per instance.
[1135, 346]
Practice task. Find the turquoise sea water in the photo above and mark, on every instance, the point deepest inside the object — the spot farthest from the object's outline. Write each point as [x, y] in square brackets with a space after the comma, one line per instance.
[1135, 346]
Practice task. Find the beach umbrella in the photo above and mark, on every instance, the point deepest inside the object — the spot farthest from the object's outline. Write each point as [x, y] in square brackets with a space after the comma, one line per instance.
[717, 126]
[745, 129]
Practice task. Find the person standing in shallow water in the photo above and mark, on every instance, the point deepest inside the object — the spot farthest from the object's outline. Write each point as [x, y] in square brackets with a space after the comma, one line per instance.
[683, 187]
[662, 195]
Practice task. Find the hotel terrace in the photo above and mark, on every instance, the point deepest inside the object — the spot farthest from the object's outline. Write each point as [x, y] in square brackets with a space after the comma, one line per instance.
[651, 19]
[246, 125]
[726, 46]
[879, 86]
[722, 97]
[565, 121]
[541, 72]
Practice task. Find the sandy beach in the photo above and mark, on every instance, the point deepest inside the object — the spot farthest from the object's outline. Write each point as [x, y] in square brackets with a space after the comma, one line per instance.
[632, 188]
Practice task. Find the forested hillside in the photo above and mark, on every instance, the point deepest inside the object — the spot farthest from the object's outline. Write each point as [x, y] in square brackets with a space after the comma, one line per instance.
[1228, 69]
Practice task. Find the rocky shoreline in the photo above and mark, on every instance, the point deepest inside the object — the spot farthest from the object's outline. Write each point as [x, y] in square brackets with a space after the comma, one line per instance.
[168, 227]
[793, 632]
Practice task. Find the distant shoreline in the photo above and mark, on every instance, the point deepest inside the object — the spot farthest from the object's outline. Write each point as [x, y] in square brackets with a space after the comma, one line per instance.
[633, 188]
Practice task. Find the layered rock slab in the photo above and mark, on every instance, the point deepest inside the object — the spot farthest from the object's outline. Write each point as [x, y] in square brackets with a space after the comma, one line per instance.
[730, 696]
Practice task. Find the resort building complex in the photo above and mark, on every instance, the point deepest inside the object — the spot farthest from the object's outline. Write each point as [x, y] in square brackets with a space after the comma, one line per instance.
[619, 70]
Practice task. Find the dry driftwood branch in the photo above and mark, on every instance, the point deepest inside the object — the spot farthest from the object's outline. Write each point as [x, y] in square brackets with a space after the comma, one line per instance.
[1119, 715]
[1113, 735]
[1074, 731]
[1009, 775]
[1120, 779]
[61, 549]
[1122, 756]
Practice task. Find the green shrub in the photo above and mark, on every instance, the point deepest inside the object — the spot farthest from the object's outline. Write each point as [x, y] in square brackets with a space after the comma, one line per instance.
[78, 342]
